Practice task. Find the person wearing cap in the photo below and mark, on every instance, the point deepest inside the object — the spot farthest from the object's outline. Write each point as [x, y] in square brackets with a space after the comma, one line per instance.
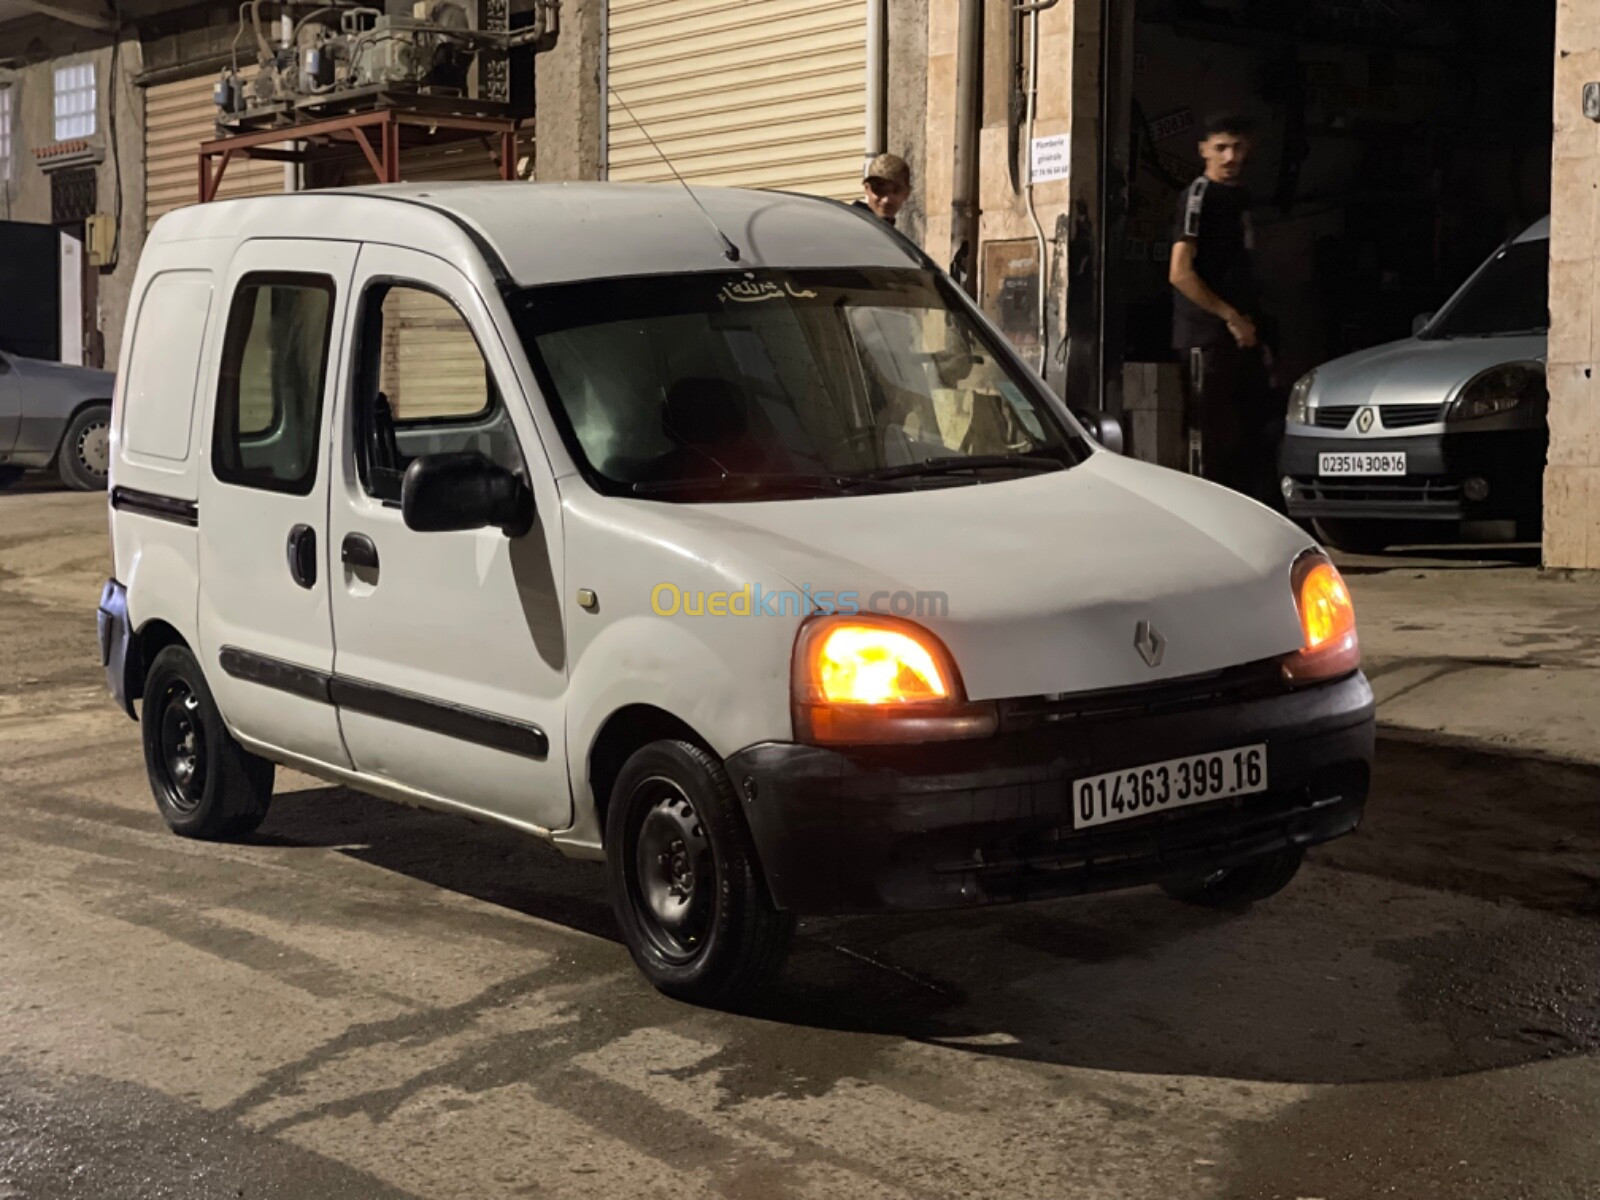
[886, 186]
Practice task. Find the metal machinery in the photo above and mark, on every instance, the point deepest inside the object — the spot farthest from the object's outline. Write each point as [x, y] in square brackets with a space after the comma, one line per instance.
[327, 76]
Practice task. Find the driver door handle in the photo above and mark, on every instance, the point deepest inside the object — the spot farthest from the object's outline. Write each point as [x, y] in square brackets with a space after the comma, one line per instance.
[303, 555]
[358, 550]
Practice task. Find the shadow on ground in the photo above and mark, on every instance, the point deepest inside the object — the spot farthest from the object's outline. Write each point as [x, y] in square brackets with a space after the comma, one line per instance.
[1356, 974]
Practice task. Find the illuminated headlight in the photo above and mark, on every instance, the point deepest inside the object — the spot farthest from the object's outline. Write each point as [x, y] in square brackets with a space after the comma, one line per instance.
[1500, 389]
[874, 680]
[1299, 399]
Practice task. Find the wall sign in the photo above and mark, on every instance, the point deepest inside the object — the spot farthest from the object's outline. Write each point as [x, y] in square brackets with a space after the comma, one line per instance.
[1051, 158]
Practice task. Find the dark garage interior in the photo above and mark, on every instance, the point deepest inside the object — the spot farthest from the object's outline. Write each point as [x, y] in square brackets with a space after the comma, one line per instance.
[1399, 142]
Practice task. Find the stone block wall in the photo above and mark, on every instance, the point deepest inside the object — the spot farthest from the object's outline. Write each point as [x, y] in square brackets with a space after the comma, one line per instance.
[1572, 479]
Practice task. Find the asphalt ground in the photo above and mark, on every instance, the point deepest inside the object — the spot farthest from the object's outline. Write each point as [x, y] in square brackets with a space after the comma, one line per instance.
[372, 1001]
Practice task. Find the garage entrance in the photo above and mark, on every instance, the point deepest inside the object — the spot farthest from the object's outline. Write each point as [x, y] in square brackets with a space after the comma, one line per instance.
[1399, 142]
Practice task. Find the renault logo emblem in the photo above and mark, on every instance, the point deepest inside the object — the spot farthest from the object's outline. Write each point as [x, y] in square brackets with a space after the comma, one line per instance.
[1147, 640]
[1365, 420]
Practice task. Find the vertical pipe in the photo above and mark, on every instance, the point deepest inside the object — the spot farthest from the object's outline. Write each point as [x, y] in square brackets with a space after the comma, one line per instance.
[604, 69]
[964, 206]
[877, 132]
[1116, 119]
[1032, 11]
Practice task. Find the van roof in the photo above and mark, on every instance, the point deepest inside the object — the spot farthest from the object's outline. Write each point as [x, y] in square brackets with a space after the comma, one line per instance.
[1539, 231]
[562, 232]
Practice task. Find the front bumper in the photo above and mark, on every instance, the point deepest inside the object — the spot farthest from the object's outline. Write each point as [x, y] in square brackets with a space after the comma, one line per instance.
[959, 824]
[116, 642]
[1510, 461]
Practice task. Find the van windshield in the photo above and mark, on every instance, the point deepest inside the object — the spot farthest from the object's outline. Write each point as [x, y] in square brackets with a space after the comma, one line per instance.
[1510, 295]
[759, 384]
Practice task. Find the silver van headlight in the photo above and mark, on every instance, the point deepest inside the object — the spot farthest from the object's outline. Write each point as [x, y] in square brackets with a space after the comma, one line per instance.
[1498, 390]
[1300, 399]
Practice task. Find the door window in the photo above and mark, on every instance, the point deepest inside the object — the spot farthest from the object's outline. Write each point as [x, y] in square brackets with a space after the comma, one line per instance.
[424, 387]
[269, 394]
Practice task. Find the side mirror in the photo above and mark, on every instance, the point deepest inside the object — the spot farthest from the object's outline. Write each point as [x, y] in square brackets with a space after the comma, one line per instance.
[1420, 323]
[464, 490]
[1103, 428]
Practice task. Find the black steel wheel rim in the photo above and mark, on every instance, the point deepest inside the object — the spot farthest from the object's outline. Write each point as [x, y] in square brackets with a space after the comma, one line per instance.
[673, 886]
[182, 748]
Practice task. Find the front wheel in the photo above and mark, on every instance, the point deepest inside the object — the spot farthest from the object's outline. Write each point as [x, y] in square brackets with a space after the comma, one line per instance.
[84, 461]
[1236, 887]
[685, 882]
[206, 784]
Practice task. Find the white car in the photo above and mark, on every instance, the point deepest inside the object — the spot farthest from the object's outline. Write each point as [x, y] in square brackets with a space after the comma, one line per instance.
[730, 545]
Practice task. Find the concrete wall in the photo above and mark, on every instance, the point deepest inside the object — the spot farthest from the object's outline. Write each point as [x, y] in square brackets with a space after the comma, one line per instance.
[569, 110]
[1572, 480]
[908, 107]
[1068, 50]
[45, 45]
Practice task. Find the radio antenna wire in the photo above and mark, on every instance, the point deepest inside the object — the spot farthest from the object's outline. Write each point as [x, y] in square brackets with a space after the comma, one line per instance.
[729, 250]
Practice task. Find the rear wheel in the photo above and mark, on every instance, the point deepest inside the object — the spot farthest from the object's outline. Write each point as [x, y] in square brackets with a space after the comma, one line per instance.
[1236, 887]
[1358, 537]
[84, 460]
[686, 885]
[206, 784]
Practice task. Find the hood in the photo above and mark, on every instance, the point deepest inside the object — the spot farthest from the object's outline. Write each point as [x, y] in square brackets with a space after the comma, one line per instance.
[1045, 578]
[1417, 371]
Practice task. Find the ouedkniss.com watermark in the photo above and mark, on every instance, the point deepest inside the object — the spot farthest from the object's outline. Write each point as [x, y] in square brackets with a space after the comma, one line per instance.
[753, 600]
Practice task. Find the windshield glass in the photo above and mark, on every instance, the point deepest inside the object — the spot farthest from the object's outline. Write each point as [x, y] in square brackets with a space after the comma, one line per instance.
[752, 383]
[1510, 295]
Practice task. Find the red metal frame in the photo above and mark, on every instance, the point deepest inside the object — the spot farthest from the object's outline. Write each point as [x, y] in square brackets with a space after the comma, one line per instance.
[353, 129]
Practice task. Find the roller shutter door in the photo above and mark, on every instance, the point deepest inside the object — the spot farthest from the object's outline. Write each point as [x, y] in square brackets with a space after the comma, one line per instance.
[431, 366]
[748, 93]
[178, 117]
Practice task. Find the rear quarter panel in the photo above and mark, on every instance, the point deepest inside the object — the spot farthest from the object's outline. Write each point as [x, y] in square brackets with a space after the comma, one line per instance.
[158, 560]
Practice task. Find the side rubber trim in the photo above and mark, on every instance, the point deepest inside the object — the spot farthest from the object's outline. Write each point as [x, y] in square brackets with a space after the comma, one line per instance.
[153, 504]
[387, 703]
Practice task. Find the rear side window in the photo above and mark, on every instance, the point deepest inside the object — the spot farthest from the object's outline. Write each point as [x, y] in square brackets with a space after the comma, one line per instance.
[159, 392]
[269, 393]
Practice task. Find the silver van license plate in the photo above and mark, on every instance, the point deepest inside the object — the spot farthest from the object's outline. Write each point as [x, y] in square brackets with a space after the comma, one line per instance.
[1176, 783]
[1393, 463]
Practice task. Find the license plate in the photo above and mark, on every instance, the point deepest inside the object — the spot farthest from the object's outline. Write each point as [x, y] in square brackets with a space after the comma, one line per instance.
[1176, 783]
[1391, 463]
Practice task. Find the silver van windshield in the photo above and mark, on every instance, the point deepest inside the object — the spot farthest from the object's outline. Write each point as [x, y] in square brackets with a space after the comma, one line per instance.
[754, 384]
[1510, 295]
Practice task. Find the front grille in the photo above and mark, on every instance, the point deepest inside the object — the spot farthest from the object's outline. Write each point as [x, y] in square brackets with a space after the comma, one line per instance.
[1235, 685]
[1418, 492]
[1406, 416]
[1334, 416]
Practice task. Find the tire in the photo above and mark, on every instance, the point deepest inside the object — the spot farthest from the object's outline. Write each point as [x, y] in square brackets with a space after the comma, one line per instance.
[1241, 886]
[1357, 537]
[85, 455]
[685, 882]
[206, 785]
[8, 476]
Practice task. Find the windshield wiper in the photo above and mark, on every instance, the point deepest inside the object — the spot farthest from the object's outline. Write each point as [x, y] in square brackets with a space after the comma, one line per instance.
[1032, 463]
[833, 485]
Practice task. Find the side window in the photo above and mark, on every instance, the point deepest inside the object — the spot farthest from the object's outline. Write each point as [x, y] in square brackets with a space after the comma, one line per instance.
[423, 388]
[269, 394]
